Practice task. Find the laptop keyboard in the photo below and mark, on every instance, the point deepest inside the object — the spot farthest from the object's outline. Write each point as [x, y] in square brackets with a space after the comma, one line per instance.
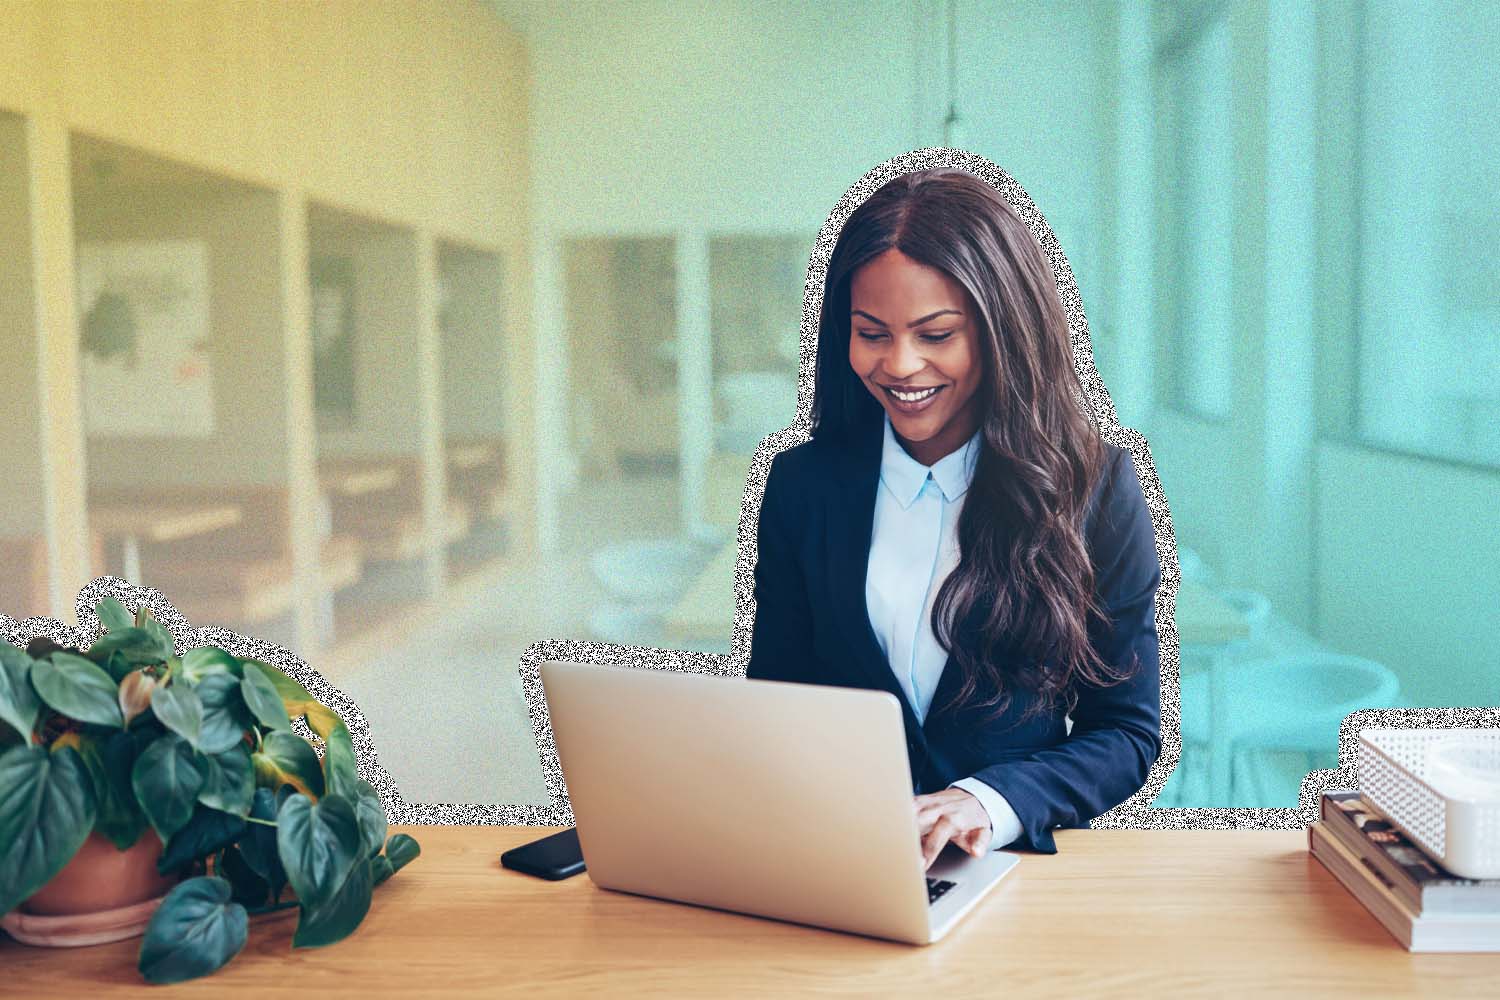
[936, 887]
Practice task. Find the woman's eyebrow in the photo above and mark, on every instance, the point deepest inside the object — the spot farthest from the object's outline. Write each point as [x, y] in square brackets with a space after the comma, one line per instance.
[915, 322]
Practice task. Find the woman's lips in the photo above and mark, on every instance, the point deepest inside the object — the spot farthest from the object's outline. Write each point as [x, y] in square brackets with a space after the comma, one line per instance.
[911, 401]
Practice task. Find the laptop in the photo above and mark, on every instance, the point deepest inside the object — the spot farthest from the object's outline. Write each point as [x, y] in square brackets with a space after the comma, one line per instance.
[781, 800]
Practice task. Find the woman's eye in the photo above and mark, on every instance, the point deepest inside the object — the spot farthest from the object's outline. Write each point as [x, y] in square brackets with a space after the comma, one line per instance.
[870, 335]
[937, 338]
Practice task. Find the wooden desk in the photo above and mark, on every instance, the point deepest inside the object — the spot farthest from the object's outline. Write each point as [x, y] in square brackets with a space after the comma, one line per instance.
[156, 522]
[1121, 912]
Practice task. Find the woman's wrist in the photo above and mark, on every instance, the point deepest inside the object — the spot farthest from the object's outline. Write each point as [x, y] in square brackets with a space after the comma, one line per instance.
[1005, 825]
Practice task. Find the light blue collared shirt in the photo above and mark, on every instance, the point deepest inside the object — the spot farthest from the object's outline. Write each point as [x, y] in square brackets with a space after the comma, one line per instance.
[913, 549]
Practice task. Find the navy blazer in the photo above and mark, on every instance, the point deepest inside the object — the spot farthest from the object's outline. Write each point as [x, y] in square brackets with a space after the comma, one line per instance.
[812, 625]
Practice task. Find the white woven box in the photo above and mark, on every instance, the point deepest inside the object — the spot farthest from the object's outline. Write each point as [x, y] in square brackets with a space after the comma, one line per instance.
[1442, 787]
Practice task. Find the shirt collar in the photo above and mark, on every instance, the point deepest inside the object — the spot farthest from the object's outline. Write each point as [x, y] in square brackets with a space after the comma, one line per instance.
[904, 476]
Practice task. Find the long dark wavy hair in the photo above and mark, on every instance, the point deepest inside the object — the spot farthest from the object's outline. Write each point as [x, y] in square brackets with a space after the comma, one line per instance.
[1024, 583]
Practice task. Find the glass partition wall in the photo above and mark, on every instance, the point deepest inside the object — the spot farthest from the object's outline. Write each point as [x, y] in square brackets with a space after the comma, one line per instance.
[365, 310]
[183, 385]
[480, 471]
[621, 537]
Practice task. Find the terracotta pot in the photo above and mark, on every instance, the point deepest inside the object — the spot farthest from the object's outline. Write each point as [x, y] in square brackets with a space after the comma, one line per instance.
[102, 894]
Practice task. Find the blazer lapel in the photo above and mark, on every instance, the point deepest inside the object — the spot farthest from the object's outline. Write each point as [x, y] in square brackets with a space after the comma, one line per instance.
[850, 525]
[947, 687]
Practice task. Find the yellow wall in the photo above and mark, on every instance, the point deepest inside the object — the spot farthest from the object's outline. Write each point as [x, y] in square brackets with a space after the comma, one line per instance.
[413, 112]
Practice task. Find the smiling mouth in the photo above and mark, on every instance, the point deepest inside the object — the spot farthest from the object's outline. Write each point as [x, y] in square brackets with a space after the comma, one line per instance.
[911, 400]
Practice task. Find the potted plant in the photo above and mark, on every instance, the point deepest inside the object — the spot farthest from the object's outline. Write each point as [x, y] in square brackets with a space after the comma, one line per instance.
[129, 757]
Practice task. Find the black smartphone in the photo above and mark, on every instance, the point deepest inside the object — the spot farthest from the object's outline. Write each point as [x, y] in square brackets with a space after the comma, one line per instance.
[553, 857]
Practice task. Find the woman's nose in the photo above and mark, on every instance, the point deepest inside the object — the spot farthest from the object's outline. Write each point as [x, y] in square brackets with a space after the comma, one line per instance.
[904, 359]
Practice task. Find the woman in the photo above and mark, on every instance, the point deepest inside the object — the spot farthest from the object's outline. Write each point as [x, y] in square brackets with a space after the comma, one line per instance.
[957, 533]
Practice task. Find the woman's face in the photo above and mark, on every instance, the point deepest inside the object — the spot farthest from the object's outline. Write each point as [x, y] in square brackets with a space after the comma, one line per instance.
[913, 341]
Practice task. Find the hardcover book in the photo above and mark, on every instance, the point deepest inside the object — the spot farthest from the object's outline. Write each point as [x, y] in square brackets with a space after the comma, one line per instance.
[1437, 932]
[1421, 884]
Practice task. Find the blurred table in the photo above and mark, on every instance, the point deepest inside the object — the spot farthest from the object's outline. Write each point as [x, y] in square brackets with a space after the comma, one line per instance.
[706, 611]
[1114, 912]
[1206, 619]
[156, 522]
[354, 478]
[1211, 627]
[470, 455]
[724, 479]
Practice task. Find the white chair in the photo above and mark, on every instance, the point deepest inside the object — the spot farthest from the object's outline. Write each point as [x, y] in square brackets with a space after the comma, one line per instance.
[643, 577]
[1192, 566]
[649, 571]
[626, 625]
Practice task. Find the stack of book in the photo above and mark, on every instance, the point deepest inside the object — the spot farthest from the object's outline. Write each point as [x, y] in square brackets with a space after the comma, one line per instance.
[1423, 906]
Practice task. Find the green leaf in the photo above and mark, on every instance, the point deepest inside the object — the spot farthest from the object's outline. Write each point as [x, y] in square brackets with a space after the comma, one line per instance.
[228, 781]
[195, 931]
[402, 850]
[206, 832]
[249, 887]
[118, 817]
[225, 717]
[157, 631]
[322, 720]
[134, 645]
[199, 663]
[167, 778]
[286, 758]
[338, 917]
[298, 701]
[113, 616]
[19, 705]
[46, 813]
[118, 666]
[291, 692]
[77, 688]
[262, 698]
[371, 816]
[339, 768]
[381, 867]
[258, 845]
[318, 843]
[178, 707]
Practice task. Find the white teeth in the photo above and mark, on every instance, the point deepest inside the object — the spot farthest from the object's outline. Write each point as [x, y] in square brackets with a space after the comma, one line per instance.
[913, 397]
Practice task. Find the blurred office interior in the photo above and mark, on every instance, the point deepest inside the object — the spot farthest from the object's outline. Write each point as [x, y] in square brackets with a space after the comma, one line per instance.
[410, 334]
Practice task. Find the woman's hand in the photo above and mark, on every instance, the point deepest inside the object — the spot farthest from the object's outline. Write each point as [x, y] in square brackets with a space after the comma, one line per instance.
[952, 814]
